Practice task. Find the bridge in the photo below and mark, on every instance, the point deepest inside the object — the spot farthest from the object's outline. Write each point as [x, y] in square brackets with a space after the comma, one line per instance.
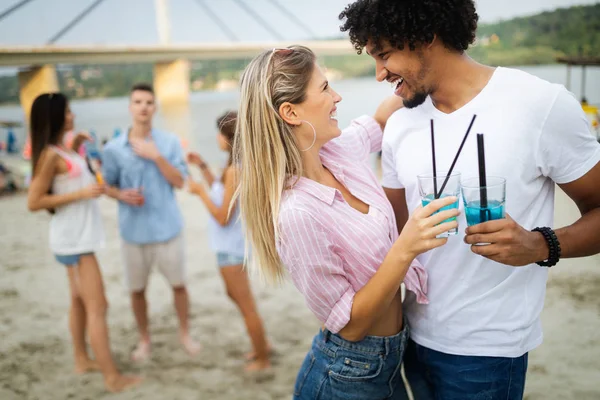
[171, 61]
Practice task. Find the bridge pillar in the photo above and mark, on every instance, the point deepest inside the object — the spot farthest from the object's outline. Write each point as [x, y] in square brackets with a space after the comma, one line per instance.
[35, 81]
[172, 81]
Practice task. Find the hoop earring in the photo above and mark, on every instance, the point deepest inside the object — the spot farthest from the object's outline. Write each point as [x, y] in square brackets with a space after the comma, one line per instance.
[314, 136]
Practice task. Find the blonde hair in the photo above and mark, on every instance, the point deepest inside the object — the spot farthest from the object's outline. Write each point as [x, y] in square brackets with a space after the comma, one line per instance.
[265, 149]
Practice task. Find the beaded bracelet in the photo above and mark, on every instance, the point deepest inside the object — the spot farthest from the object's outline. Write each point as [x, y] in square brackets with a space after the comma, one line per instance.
[553, 246]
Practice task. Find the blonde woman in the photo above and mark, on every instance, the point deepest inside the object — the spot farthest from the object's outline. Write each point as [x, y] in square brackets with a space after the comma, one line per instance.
[311, 205]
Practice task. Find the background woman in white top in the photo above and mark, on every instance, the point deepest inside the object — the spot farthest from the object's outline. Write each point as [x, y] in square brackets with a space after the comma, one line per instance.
[63, 185]
[227, 239]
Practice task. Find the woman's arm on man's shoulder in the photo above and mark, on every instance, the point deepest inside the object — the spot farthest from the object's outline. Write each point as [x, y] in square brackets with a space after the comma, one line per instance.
[385, 110]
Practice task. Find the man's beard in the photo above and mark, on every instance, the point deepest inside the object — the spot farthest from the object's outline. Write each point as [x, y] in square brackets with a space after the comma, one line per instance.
[415, 101]
[422, 92]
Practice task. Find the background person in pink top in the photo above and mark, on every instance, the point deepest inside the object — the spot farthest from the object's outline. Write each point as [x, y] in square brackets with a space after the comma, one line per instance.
[63, 185]
[311, 202]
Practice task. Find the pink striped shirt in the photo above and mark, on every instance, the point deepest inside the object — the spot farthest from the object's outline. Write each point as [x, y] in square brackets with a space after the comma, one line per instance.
[330, 249]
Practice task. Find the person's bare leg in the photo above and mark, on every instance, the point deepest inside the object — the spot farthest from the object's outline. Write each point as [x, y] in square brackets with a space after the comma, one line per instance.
[77, 324]
[238, 289]
[182, 305]
[91, 288]
[140, 311]
[171, 263]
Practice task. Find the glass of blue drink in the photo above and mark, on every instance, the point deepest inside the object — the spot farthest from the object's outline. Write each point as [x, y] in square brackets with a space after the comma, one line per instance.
[484, 204]
[429, 185]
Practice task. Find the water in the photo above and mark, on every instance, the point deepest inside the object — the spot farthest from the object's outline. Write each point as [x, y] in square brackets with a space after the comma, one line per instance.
[476, 214]
[195, 122]
[429, 198]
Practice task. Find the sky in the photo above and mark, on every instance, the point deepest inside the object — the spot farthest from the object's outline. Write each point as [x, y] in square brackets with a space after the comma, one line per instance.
[133, 22]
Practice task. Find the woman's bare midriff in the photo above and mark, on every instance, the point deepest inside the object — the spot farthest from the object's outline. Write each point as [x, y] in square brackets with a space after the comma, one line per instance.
[390, 322]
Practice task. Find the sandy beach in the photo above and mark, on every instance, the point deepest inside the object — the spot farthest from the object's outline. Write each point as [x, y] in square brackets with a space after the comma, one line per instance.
[35, 350]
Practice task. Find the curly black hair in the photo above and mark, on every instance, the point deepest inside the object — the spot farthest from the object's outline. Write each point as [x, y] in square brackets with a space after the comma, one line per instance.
[412, 22]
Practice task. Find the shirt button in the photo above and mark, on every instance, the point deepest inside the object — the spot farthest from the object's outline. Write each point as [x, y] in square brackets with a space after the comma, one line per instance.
[347, 362]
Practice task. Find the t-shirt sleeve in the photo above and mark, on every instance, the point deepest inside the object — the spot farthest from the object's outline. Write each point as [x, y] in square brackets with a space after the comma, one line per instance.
[110, 167]
[315, 268]
[567, 148]
[389, 178]
[176, 158]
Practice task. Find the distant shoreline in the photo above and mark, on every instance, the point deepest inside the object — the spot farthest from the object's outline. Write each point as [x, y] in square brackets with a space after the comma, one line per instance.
[224, 85]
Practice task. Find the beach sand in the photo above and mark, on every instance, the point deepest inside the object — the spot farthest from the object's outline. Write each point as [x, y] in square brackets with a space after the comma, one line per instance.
[35, 347]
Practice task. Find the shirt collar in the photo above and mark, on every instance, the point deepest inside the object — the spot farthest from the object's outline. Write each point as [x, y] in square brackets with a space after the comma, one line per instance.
[125, 137]
[322, 192]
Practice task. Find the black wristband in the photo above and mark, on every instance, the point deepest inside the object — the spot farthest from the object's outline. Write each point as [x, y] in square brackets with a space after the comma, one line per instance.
[553, 246]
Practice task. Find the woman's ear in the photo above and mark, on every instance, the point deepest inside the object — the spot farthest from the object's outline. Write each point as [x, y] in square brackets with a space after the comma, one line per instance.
[287, 111]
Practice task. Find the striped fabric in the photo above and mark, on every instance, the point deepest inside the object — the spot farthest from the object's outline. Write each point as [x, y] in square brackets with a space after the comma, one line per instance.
[330, 249]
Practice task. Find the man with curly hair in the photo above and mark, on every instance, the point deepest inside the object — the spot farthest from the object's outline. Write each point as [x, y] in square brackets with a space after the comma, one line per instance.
[472, 340]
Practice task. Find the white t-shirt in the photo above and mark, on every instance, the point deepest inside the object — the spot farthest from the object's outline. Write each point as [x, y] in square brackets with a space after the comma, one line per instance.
[535, 133]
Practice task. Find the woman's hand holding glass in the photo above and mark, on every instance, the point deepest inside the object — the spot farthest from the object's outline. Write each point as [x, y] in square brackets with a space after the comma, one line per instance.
[419, 233]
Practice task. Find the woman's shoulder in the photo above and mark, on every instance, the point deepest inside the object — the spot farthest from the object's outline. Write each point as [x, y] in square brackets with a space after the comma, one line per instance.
[50, 162]
[49, 156]
[296, 209]
[229, 172]
[229, 177]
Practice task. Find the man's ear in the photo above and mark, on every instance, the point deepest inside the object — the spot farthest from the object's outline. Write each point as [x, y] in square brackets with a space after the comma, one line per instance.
[430, 44]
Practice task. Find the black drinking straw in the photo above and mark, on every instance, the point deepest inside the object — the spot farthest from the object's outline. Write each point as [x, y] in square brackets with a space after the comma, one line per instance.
[458, 154]
[435, 191]
[483, 203]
